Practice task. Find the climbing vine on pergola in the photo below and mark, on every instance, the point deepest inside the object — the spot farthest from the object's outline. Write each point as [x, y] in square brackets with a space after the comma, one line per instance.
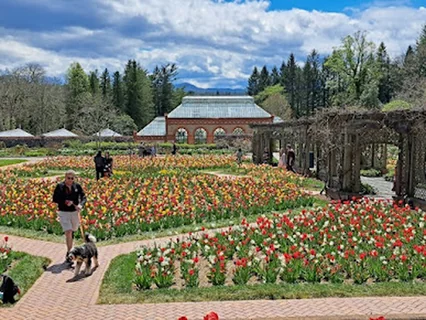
[337, 138]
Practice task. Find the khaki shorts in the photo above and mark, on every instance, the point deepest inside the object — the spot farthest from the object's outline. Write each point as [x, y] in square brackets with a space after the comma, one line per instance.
[69, 220]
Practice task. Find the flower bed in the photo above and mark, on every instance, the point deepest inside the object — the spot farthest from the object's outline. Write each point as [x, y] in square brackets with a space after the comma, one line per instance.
[165, 199]
[137, 164]
[352, 243]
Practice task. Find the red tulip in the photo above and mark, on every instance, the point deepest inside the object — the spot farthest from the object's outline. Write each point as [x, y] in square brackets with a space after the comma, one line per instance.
[213, 316]
[6, 238]
[183, 318]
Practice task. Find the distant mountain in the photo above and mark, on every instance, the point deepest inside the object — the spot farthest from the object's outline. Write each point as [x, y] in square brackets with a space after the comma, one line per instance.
[209, 91]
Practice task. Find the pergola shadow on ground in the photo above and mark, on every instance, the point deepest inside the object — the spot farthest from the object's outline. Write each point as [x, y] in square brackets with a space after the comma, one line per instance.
[336, 138]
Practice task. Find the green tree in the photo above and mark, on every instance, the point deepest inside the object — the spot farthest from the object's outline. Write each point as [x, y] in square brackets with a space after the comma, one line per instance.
[271, 90]
[139, 101]
[77, 90]
[94, 82]
[275, 77]
[118, 92]
[283, 73]
[421, 52]
[96, 114]
[253, 83]
[264, 80]
[414, 72]
[385, 85]
[178, 95]
[396, 105]
[307, 86]
[290, 83]
[105, 84]
[354, 64]
[162, 87]
[124, 124]
[273, 100]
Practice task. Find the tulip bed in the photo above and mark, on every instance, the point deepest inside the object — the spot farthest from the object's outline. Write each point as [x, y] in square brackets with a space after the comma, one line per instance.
[159, 193]
[351, 243]
[138, 165]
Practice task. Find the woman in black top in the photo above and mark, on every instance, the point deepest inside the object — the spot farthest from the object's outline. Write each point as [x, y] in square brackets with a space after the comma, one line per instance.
[99, 164]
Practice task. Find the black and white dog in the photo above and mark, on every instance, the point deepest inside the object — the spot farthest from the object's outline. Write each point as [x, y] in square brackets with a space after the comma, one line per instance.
[85, 253]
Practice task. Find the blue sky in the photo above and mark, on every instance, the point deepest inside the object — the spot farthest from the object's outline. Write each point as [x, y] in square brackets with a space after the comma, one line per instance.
[213, 42]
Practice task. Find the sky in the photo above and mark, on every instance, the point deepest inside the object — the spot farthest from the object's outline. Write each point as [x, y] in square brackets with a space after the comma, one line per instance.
[214, 43]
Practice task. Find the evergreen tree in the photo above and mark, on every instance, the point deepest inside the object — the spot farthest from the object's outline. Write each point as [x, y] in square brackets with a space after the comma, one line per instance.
[118, 92]
[421, 52]
[384, 69]
[94, 82]
[77, 89]
[307, 88]
[253, 83]
[105, 84]
[275, 77]
[139, 101]
[290, 83]
[409, 56]
[263, 79]
[283, 72]
[162, 86]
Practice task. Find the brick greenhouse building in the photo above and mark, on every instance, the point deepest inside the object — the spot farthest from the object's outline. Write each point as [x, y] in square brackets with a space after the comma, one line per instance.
[201, 119]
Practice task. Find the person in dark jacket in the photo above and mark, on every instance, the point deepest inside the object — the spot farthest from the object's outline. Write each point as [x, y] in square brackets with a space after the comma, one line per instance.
[70, 198]
[99, 165]
[174, 149]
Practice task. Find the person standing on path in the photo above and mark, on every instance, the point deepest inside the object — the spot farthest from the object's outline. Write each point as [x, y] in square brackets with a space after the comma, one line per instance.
[70, 198]
[239, 156]
[281, 161]
[174, 149]
[291, 158]
[99, 165]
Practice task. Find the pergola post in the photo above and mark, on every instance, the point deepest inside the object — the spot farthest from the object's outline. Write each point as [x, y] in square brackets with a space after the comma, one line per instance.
[411, 166]
[357, 165]
[347, 165]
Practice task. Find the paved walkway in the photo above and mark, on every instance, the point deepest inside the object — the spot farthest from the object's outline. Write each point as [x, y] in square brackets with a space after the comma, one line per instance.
[52, 297]
[383, 187]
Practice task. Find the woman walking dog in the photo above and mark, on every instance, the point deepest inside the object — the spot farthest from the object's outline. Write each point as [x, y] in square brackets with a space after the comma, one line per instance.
[70, 198]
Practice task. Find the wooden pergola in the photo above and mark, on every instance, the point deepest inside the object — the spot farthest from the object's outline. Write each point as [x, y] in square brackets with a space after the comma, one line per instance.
[337, 137]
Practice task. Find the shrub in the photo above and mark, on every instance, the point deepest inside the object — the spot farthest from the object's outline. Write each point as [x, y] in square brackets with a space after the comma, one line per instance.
[367, 189]
[371, 173]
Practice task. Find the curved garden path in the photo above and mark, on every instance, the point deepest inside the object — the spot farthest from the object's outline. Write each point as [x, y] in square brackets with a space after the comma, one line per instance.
[52, 297]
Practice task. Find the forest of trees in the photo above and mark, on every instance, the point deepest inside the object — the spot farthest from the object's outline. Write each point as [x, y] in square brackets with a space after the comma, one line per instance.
[87, 102]
[356, 74]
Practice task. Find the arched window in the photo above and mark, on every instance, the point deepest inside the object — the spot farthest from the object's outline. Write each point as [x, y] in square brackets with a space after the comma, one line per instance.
[200, 136]
[238, 131]
[219, 132]
[181, 135]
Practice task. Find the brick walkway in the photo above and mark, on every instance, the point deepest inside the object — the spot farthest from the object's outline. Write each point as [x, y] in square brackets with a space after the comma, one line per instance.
[52, 297]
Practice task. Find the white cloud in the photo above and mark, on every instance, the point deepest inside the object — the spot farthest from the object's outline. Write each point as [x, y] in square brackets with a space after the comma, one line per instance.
[217, 41]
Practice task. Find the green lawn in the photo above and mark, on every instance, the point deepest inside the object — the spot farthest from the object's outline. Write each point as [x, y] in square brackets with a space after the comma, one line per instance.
[25, 270]
[117, 288]
[313, 184]
[8, 162]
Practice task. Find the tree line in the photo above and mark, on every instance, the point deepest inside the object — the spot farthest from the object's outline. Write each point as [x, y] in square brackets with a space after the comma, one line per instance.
[356, 74]
[87, 102]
